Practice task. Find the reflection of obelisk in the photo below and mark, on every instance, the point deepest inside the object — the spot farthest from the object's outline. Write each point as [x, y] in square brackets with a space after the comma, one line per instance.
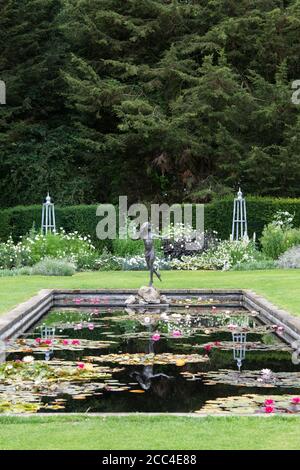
[2, 92]
[146, 235]
[2, 351]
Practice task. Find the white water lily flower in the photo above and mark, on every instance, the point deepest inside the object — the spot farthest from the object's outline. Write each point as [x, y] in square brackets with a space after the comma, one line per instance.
[266, 372]
[164, 316]
[28, 359]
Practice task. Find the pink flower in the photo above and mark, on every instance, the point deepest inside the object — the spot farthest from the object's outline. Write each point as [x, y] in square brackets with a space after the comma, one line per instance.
[269, 401]
[38, 340]
[156, 337]
[295, 400]
[217, 343]
[48, 341]
[95, 312]
[75, 341]
[176, 333]
[80, 365]
[269, 409]
[65, 341]
[231, 326]
[96, 300]
[78, 301]
[207, 348]
[78, 326]
[91, 326]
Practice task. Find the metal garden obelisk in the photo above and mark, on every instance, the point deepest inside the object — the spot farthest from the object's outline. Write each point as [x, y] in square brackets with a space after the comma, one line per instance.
[48, 216]
[239, 219]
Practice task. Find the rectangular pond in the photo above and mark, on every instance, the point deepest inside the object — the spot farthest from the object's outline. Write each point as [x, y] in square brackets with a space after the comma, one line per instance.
[196, 354]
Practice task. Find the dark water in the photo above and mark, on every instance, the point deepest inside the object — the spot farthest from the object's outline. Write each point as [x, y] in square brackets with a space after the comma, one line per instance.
[166, 387]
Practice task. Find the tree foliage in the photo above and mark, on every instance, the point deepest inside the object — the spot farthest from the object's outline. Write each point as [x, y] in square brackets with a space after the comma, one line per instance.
[157, 99]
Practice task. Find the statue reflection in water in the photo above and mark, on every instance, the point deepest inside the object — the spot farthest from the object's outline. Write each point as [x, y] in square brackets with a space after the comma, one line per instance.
[146, 378]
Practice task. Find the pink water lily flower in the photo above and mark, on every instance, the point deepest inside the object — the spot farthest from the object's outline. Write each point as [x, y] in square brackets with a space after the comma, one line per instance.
[156, 337]
[269, 409]
[78, 326]
[38, 340]
[75, 342]
[91, 326]
[269, 401]
[47, 341]
[295, 400]
[80, 365]
[176, 333]
[207, 348]
[65, 341]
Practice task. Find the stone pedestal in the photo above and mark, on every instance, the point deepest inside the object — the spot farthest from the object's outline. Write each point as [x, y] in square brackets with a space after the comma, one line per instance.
[146, 296]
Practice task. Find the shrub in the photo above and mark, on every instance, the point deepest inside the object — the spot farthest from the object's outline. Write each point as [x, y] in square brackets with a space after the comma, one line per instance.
[138, 263]
[178, 239]
[14, 255]
[108, 262]
[53, 267]
[127, 247]
[255, 265]
[35, 247]
[71, 246]
[279, 235]
[45, 267]
[272, 241]
[290, 259]
[26, 271]
[226, 255]
[283, 219]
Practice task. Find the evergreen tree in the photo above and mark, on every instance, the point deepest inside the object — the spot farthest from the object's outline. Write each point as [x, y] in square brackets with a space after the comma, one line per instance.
[150, 98]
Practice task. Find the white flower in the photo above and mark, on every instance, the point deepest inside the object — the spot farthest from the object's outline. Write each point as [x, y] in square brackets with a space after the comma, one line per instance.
[266, 372]
[28, 359]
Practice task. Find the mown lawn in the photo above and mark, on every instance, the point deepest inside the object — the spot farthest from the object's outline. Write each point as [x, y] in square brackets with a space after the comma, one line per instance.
[147, 433]
[282, 287]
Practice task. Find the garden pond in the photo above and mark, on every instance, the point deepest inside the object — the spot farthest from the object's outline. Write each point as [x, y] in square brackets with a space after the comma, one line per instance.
[200, 356]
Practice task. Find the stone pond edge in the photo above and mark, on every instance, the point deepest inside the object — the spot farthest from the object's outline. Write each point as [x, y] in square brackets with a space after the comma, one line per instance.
[22, 317]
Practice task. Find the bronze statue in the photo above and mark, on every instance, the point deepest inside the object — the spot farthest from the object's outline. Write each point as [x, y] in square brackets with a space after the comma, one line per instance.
[147, 236]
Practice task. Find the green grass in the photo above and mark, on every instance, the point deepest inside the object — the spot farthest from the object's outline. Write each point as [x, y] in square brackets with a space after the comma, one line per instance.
[140, 432]
[282, 287]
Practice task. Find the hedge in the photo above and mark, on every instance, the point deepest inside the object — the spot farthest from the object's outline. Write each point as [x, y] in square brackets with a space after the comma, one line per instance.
[19, 220]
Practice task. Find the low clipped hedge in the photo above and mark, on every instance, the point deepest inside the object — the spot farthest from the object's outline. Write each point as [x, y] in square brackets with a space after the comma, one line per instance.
[17, 221]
